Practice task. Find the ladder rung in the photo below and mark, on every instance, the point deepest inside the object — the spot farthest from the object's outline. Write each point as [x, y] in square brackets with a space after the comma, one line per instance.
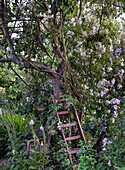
[64, 112]
[59, 100]
[69, 125]
[73, 137]
[75, 150]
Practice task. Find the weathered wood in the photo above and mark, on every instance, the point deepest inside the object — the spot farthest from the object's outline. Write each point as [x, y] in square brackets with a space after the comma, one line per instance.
[75, 150]
[69, 125]
[79, 126]
[73, 137]
[79, 134]
[60, 100]
[64, 112]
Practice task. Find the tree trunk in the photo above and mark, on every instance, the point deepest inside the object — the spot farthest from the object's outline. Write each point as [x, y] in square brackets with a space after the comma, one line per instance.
[57, 86]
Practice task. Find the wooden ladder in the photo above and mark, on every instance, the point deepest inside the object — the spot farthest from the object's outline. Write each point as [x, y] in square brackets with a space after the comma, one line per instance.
[61, 116]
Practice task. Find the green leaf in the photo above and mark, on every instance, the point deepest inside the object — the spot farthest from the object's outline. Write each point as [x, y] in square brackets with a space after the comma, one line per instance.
[32, 167]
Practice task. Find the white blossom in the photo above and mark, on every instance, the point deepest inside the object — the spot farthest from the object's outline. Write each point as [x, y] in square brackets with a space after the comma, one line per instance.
[104, 141]
[70, 54]
[112, 82]
[115, 114]
[122, 64]
[108, 111]
[119, 86]
[99, 55]
[13, 151]
[94, 112]
[107, 102]
[104, 149]
[84, 33]
[109, 163]
[72, 21]
[121, 72]
[116, 101]
[86, 87]
[109, 69]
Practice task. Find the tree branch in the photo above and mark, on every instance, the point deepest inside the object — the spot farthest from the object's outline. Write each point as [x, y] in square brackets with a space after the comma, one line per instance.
[80, 12]
[5, 60]
[19, 76]
[62, 32]
[100, 22]
[4, 26]
[41, 42]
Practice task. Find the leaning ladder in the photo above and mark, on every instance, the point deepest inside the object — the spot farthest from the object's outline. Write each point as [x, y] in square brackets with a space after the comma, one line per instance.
[76, 123]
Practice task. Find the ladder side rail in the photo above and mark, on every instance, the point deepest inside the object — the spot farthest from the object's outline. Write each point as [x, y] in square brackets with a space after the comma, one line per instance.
[64, 138]
[79, 125]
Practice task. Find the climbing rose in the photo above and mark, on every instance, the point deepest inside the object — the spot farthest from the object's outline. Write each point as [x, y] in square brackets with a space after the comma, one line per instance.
[115, 107]
[31, 122]
[41, 128]
[0, 112]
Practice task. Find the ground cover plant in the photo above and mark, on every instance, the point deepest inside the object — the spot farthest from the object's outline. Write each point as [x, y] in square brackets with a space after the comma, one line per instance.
[55, 49]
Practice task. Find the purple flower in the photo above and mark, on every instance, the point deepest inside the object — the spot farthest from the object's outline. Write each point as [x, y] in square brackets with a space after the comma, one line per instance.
[5, 101]
[106, 90]
[115, 107]
[124, 110]
[1, 124]
[0, 112]
[41, 128]
[31, 122]
[111, 101]
[118, 50]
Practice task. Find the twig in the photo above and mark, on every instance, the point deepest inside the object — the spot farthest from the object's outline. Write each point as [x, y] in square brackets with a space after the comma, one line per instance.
[4, 26]
[41, 42]
[62, 32]
[100, 21]
[19, 76]
[80, 12]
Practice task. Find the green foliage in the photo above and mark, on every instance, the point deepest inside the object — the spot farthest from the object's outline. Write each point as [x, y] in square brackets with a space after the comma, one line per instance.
[11, 125]
[19, 121]
[37, 160]
[3, 142]
[87, 158]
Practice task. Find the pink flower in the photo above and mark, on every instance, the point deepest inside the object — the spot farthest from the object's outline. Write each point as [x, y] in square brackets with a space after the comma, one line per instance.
[41, 128]
[0, 112]
[31, 122]
[115, 107]
[124, 110]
